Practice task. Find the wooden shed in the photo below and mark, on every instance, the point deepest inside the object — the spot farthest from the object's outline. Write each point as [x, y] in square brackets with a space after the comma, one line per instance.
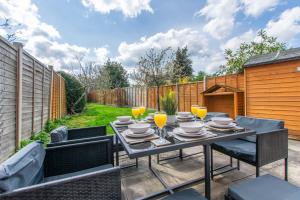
[272, 88]
[223, 98]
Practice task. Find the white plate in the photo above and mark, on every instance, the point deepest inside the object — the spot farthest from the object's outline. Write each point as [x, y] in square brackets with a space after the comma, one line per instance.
[185, 117]
[117, 122]
[181, 132]
[221, 126]
[129, 133]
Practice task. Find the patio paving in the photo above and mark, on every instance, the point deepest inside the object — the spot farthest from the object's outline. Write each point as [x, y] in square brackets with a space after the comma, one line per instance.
[138, 182]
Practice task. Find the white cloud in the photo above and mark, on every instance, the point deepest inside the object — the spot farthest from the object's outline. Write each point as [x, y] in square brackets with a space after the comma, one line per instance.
[129, 54]
[287, 26]
[41, 39]
[129, 8]
[257, 7]
[220, 16]
[235, 42]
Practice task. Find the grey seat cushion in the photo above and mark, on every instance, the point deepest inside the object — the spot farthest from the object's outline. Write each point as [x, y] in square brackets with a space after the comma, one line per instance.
[94, 169]
[59, 134]
[240, 148]
[260, 125]
[265, 187]
[215, 114]
[188, 194]
[24, 168]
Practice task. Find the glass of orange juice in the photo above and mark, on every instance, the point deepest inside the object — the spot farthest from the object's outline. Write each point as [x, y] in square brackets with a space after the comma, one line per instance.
[142, 110]
[135, 112]
[194, 109]
[160, 120]
[201, 112]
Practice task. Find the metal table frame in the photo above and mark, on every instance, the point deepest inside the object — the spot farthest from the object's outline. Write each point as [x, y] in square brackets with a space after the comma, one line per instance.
[177, 146]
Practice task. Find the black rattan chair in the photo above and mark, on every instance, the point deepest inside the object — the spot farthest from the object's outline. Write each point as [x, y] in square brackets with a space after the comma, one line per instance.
[73, 171]
[62, 136]
[269, 144]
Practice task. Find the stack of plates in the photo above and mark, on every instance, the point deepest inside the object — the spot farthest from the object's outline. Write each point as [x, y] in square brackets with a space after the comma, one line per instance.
[181, 132]
[118, 123]
[221, 127]
[187, 118]
[130, 134]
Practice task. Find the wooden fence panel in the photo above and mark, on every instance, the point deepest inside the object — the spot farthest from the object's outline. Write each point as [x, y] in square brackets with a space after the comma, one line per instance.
[8, 91]
[187, 94]
[25, 90]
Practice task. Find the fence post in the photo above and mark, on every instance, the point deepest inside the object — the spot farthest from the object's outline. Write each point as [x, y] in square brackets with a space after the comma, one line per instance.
[33, 96]
[177, 96]
[19, 92]
[60, 96]
[51, 93]
[42, 113]
[204, 83]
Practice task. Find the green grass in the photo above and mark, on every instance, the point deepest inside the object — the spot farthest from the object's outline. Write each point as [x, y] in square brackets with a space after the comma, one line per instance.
[97, 115]
[93, 115]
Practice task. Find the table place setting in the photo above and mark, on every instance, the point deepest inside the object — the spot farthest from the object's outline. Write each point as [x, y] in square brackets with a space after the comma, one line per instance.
[191, 131]
[123, 121]
[223, 124]
[184, 117]
[139, 132]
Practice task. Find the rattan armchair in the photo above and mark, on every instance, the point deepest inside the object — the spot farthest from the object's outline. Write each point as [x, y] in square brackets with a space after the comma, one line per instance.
[73, 171]
[269, 144]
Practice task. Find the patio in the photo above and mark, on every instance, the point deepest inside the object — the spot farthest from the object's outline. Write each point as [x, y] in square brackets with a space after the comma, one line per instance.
[138, 182]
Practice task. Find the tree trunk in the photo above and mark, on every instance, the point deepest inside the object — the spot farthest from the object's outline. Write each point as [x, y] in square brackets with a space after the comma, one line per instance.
[157, 98]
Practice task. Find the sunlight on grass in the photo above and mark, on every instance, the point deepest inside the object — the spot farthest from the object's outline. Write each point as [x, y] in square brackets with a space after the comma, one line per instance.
[97, 115]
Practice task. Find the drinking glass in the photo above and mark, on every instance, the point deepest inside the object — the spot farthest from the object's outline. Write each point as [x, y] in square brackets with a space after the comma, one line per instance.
[160, 120]
[201, 112]
[142, 110]
[135, 112]
[194, 109]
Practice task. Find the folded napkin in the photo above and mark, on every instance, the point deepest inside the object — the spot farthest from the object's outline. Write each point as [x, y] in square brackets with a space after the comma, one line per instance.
[131, 140]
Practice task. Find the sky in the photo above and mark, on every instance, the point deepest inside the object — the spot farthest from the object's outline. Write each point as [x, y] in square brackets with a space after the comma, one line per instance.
[58, 32]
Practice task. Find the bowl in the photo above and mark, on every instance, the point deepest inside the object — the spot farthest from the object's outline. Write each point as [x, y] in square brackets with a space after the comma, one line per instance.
[184, 114]
[124, 118]
[139, 128]
[191, 127]
[222, 120]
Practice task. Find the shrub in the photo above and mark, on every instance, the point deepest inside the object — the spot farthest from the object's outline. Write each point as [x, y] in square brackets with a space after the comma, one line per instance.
[169, 103]
[74, 92]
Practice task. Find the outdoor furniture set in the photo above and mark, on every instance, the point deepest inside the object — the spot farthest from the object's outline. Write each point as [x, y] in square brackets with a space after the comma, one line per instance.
[79, 163]
[74, 169]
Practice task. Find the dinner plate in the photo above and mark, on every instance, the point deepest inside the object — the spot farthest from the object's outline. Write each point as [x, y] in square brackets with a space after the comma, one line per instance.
[117, 122]
[221, 126]
[187, 117]
[149, 132]
[180, 132]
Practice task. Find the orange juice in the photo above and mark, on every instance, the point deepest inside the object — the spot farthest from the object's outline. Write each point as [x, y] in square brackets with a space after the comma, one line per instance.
[160, 120]
[194, 109]
[142, 110]
[201, 112]
[135, 112]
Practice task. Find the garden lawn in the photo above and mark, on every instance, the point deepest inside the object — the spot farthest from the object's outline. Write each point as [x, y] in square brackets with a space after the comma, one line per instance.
[97, 115]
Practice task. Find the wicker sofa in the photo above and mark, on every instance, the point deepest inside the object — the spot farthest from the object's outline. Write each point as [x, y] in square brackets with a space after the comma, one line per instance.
[72, 171]
[269, 144]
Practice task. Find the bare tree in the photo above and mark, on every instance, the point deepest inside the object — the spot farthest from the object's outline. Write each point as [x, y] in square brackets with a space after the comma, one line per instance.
[152, 69]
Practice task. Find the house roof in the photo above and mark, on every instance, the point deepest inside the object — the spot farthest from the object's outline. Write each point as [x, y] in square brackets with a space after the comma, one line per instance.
[290, 54]
[216, 87]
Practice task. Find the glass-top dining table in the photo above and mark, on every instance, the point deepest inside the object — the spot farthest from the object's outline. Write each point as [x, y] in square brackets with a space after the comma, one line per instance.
[147, 148]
